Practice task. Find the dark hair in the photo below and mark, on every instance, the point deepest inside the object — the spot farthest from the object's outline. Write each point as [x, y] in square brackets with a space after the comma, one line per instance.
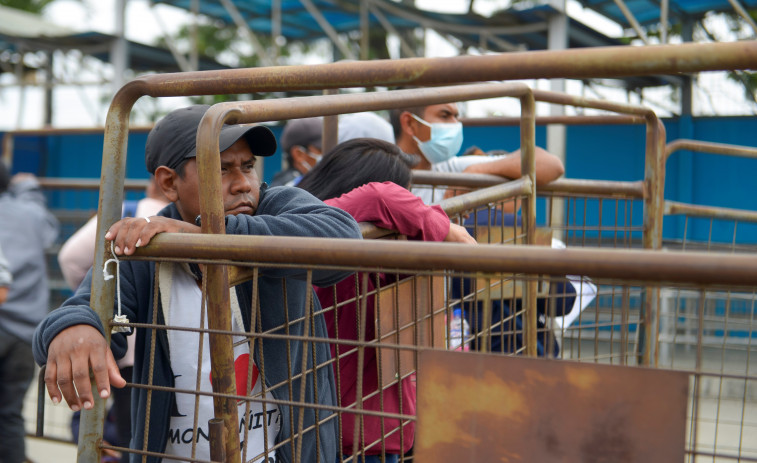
[394, 114]
[356, 162]
[394, 118]
[5, 177]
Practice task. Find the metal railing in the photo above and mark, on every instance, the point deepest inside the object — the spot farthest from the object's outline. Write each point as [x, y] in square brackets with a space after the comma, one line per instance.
[570, 63]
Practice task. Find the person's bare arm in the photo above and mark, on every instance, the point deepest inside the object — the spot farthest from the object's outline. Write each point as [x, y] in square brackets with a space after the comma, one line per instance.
[3, 294]
[70, 355]
[548, 166]
[459, 234]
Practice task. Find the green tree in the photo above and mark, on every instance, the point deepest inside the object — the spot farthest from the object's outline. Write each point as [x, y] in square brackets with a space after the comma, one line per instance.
[32, 6]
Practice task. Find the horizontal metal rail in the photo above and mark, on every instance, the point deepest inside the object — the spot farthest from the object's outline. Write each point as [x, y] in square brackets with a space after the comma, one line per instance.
[676, 208]
[86, 183]
[658, 267]
[547, 120]
[563, 185]
[710, 147]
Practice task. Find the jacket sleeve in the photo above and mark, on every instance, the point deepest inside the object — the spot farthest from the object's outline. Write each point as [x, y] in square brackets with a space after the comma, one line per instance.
[29, 190]
[290, 211]
[388, 205]
[5, 271]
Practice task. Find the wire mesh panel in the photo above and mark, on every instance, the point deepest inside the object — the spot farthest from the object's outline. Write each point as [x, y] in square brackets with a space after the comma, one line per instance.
[380, 319]
[711, 331]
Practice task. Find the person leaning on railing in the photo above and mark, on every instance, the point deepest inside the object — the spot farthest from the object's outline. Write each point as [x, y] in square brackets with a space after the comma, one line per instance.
[69, 341]
[369, 178]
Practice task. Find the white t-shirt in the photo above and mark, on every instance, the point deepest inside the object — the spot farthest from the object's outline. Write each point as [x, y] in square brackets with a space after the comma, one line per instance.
[454, 165]
[184, 311]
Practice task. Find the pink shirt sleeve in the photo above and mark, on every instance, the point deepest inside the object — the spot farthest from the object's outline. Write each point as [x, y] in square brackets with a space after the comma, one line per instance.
[388, 205]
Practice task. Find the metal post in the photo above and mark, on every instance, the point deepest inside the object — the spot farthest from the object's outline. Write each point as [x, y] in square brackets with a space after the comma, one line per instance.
[219, 304]
[556, 133]
[528, 211]
[330, 134]
[119, 54]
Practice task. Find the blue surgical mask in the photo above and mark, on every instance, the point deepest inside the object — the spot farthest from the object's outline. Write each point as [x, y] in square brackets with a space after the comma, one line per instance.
[446, 140]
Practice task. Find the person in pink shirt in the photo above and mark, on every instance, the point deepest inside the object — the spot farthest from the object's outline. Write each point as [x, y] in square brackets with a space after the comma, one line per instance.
[369, 179]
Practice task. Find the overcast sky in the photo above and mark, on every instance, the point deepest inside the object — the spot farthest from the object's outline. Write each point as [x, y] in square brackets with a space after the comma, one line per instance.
[85, 107]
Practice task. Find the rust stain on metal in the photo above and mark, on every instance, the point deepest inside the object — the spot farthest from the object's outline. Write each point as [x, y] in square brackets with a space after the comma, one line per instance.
[478, 407]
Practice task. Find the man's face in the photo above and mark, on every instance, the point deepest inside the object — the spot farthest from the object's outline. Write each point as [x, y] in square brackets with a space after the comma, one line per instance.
[240, 184]
[439, 113]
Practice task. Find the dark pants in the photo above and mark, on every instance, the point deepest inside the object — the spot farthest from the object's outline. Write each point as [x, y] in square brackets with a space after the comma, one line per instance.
[16, 373]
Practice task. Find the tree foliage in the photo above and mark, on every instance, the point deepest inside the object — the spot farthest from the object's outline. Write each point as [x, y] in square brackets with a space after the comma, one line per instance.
[32, 6]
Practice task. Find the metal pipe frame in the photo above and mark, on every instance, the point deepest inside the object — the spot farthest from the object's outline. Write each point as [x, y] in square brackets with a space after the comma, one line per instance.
[546, 120]
[670, 208]
[703, 269]
[561, 185]
[585, 63]
[86, 183]
[653, 172]
[211, 201]
[676, 208]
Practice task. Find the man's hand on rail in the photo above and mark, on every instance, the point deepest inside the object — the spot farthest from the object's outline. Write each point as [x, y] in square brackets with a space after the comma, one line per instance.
[130, 233]
[459, 234]
[70, 355]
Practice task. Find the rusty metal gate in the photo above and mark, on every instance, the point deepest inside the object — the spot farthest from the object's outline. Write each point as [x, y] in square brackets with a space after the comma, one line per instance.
[432, 269]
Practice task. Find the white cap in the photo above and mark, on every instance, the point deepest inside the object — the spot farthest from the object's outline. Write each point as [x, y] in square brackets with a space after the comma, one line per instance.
[364, 125]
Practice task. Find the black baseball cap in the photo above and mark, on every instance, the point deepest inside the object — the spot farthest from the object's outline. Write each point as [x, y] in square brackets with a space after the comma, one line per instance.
[173, 139]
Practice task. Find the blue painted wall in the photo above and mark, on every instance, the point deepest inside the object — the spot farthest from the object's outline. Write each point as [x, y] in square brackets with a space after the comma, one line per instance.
[609, 152]
[616, 152]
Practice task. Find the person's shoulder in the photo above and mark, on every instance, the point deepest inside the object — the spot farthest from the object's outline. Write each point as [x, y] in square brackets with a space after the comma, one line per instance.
[275, 194]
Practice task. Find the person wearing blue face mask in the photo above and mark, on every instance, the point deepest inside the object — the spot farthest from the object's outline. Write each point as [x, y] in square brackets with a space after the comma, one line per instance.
[434, 133]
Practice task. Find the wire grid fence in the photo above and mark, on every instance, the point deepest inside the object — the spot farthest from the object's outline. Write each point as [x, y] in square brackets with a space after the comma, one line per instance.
[718, 351]
[706, 332]
[393, 314]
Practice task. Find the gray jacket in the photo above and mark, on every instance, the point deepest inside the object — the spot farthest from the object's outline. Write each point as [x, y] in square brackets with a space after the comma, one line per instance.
[5, 271]
[27, 229]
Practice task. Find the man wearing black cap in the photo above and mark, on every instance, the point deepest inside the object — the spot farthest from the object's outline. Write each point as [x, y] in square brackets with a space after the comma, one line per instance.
[69, 340]
[301, 146]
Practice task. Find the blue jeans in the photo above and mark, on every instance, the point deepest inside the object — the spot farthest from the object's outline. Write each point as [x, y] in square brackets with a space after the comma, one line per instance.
[16, 373]
[388, 458]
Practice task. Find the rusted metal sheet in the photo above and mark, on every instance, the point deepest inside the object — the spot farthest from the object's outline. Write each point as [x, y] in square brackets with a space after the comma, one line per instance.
[481, 407]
